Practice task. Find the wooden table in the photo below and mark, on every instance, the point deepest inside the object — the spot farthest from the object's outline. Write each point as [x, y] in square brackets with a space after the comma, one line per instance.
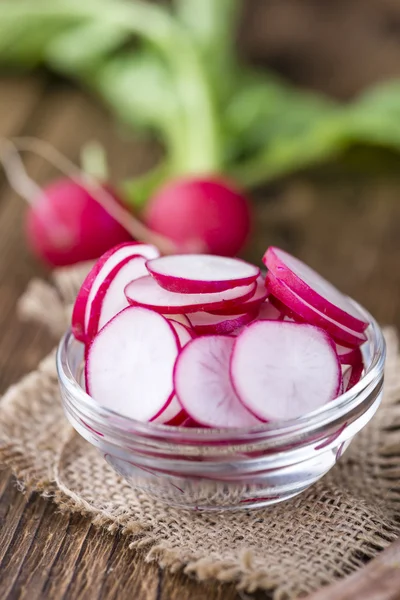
[347, 226]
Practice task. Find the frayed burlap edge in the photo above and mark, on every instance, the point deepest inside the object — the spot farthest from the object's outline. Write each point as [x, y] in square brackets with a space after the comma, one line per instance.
[376, 513]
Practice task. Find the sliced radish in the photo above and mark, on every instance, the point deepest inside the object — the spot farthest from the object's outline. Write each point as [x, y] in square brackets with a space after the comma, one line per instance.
[205, 323]
[184, 333]
[173, 414]
[129, 366]
[203, 386]
[146, 292]
[100, 271]
[284, 370]
[258, 298]
[303, 311]
[269, 312]
[348, 356]
[314, 289]
[180, 318]
[201, 273]
[110, 298]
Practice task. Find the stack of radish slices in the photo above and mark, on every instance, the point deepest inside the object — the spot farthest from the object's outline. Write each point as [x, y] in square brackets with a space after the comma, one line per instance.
[206, 341]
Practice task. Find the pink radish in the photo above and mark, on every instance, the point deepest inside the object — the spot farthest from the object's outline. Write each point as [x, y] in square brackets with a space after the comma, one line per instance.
[205, 323]
[284, 370]
[184, 333]
[201, 273]
[173, 414]
[110, 298]
[314, 289]
[201, 214]
[99, 272]
[67, 225]
[203, 386]
[254, 303]
[129, 366]
[348, 356]
[269, 312]
[303, 311]
[146, 292]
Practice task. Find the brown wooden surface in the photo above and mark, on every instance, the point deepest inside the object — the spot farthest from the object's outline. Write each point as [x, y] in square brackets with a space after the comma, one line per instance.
[346, 225]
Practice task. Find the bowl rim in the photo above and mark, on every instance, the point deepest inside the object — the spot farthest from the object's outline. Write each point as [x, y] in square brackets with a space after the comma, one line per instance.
[327, 413]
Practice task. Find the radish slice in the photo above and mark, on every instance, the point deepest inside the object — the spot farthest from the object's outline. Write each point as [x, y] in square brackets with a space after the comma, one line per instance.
[180, 319]
[269, 312]
[348, 356]
[146, 292]
[100, 271]
[314, 289]
[201, 273]
[254, 303]
[352, 375]
[203, 386]
[129, 366]
[284, 370]
[205, 323]
[173, 414]
[110, 298]
[303, 311]
[184, 333]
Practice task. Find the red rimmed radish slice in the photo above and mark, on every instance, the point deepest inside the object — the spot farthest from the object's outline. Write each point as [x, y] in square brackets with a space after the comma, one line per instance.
[284, 370]
[173, 414]
[184, 333]
[110, 298]
[130, 363]
[201, 273]
[100, 271]
[257, 299]
[203, 385]
[146, 292]
[314, 289]
[348, 356]
[205, 323]
[269, 312]
[299, 309]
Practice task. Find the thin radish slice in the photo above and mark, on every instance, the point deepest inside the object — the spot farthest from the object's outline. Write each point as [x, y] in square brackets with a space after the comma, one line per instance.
[184, 333]
[173, 414]
[201, 273]
[254, 303]
[348, 356]
[106, 264]
[284, 370]
[269, 312]
[130, 363]
[180, 318]
[285, 312]
[352, 375]
[203, 386]
[110, 298]
[205, 323]
[314, 289]
[146, 292]
[303, 311]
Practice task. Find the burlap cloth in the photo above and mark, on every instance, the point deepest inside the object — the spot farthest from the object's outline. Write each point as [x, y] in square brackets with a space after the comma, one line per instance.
[292, 548]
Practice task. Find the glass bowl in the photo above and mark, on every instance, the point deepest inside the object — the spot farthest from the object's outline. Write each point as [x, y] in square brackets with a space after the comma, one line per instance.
[223, 469]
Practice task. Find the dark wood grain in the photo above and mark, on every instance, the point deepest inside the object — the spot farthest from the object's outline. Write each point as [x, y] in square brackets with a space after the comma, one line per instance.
[346, 225]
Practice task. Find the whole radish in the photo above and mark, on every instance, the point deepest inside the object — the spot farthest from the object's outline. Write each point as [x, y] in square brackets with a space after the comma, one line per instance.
[201, 214]
[66, 225]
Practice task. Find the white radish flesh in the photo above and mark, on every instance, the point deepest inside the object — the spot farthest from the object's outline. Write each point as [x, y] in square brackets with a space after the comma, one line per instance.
[284, 370]
[110, 298]
[205, 323]
[201, 273]
[313, 288]
[146, 292]
[129, 365]
[302, 311]
[203, 385]
[254, 303]
[106, 265]
[180, 318]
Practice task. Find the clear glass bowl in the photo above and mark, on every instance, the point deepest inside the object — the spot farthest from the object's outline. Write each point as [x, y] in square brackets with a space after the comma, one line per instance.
[224, 469]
